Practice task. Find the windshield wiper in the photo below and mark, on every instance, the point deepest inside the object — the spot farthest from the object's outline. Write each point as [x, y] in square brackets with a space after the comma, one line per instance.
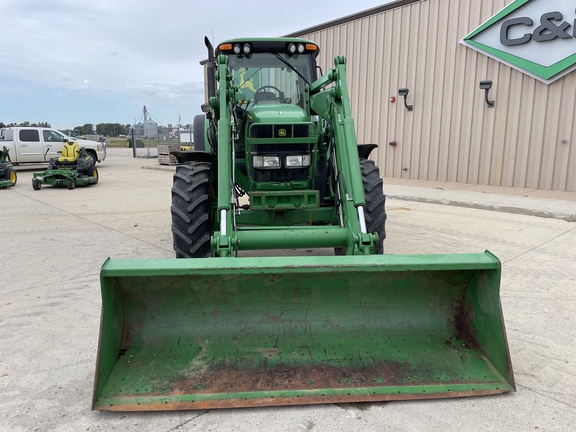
[283, 60]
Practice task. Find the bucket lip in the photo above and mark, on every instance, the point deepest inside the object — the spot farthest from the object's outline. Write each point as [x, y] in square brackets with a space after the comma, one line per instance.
[306, 264]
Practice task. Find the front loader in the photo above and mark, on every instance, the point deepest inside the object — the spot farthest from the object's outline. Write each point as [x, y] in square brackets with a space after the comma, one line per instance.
[276, 166]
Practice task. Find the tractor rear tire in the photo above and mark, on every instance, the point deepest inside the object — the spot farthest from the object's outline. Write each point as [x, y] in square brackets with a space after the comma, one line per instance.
[11, 175]
[191, 209]
[199, 137]
[374, 211]
[95, 175]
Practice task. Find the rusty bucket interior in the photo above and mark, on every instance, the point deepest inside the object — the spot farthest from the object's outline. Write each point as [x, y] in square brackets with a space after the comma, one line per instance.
[241, 332]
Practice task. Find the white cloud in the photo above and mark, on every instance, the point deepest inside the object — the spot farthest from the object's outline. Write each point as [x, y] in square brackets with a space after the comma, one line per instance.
[133, 51]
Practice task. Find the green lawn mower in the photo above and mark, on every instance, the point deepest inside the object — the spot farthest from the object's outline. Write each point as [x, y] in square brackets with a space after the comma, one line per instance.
[74, 168]
[8, 175]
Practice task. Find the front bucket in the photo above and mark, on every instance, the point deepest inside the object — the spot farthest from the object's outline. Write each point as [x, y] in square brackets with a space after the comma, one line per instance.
[238, 332]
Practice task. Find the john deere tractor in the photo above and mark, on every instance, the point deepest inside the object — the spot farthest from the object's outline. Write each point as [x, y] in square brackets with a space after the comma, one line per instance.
[276, 166]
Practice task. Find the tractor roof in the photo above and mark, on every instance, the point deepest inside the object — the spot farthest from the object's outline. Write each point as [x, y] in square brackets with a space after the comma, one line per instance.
[267, 44]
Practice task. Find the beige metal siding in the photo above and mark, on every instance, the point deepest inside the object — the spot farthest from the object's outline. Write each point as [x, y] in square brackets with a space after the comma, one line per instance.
[527, 140]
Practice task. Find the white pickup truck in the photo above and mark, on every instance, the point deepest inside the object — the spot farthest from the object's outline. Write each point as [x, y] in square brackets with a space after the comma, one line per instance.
[38, 144]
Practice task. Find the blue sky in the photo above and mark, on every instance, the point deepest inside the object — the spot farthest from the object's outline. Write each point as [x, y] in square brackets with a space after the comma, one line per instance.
[71, 62]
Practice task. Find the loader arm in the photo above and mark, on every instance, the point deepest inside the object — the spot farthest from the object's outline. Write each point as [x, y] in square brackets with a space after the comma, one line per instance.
[222, 241]
[333, 105]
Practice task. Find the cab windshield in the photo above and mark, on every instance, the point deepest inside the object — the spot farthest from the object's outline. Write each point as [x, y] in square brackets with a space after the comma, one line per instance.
[272, 77]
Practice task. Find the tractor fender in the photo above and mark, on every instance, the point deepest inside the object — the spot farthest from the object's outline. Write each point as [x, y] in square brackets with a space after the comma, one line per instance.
[184, 156]
[364, 150]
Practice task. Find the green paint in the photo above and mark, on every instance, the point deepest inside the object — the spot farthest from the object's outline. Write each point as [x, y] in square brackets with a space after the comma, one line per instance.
[240, 331]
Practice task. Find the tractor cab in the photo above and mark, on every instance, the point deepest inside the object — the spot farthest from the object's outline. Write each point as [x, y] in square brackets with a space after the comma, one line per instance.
[268, 72]
[275, 135]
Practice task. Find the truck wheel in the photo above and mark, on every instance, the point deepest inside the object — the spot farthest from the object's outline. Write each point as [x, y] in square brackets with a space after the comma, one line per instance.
[70, 184]
[374, 212]
[191, 210]
[93, 162]
[11, 175]
[36, 184]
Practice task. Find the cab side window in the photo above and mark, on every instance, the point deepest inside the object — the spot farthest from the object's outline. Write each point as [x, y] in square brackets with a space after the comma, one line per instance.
[29, 135]
[51, 136]
[7, 134]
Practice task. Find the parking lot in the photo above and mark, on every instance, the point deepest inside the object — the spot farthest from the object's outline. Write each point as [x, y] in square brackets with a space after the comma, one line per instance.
[54, 241]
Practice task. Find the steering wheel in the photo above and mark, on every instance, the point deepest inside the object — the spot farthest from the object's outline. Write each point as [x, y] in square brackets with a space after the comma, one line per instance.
[281, 97]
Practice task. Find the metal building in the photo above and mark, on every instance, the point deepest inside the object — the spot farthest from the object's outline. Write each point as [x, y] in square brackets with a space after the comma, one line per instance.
[443, 52]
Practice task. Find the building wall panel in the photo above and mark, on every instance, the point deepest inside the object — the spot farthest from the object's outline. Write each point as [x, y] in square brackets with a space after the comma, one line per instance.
[527, 140]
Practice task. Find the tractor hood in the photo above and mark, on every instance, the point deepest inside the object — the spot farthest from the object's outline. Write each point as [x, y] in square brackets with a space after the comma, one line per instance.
[277, 113]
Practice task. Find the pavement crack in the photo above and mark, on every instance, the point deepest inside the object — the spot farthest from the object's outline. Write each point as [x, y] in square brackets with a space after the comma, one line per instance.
[187, 421]
[540, 245]
[546, 396]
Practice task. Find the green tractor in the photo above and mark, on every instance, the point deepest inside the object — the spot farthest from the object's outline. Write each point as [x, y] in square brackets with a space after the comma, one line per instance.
[276, 166]
[74, 168]
[8, 175]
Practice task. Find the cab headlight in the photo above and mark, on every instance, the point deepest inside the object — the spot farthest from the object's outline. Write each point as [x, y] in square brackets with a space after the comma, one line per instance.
[297, 161]
[266, 162]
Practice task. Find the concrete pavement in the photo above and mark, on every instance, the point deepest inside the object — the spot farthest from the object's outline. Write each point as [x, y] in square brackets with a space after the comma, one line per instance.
[54, 242]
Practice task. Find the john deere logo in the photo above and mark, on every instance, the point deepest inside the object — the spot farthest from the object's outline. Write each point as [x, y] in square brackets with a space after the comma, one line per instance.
[537, 37]
[282, 132]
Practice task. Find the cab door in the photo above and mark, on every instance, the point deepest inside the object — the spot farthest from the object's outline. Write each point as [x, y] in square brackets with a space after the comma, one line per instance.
[53, 143]
[30, 146]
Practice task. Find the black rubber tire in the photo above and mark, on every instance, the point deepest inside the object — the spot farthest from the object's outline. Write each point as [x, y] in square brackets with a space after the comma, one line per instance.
[191, 209]
[36, 184]
[93, 160]
[374, 211]
[70, 184]
[199, 138]
[12, 176]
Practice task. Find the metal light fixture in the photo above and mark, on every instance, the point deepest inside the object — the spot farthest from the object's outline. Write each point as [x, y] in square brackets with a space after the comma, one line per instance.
[403, 92]
[486, 86]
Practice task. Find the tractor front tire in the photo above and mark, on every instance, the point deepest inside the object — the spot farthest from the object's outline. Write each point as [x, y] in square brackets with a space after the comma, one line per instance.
[36, 184]
[191, 210]
[70, 184]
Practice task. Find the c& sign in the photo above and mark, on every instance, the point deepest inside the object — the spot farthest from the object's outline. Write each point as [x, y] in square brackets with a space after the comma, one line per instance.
[537, 37]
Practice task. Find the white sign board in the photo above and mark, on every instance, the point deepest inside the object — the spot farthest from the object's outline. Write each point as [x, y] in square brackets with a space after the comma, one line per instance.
[537, 37]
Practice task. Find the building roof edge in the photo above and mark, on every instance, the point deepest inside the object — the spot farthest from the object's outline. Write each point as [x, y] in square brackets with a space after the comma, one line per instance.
[353, 17]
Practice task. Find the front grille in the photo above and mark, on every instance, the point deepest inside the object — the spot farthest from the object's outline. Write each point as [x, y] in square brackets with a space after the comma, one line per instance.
[280, 131]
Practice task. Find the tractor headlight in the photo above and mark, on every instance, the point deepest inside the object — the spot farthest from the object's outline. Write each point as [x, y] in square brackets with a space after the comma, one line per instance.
[237, 49]
[247, 49]
[292, 48]
[297, 161]
[301, 48]
[266, 162]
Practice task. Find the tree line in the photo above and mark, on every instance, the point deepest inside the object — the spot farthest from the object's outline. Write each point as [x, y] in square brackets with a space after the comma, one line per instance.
[105, 129]
[25, 124]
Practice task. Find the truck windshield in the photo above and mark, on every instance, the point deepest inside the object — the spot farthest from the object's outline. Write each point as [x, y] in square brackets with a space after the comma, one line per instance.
[272, 78]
